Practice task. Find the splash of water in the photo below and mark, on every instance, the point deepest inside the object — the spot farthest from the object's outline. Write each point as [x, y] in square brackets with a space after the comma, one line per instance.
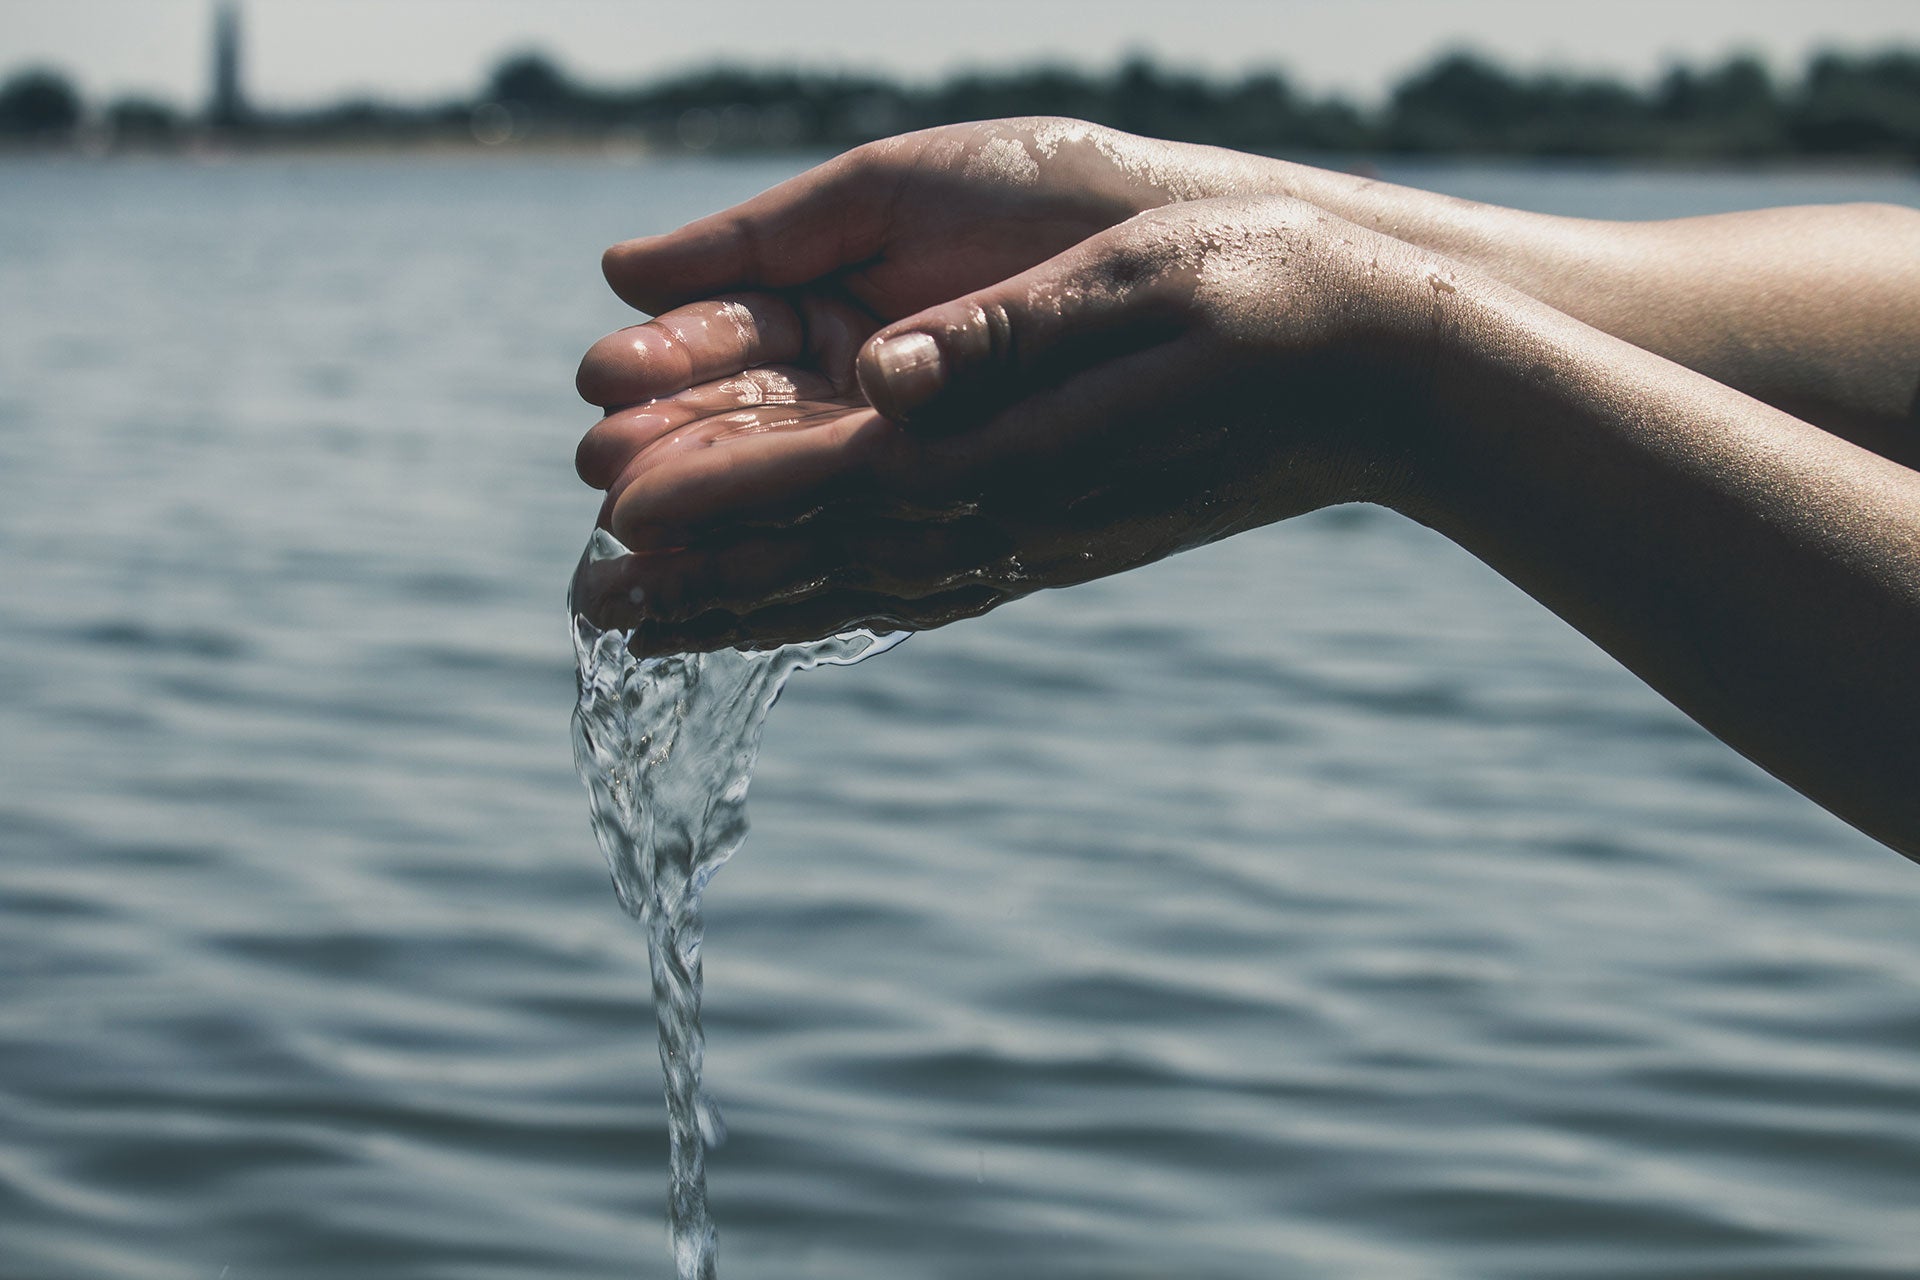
[666, 747]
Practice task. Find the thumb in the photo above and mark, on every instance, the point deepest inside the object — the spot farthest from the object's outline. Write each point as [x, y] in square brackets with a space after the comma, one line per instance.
[953, 363]
[809, 226]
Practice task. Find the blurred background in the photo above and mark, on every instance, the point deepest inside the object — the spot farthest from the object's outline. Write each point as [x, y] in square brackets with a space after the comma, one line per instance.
[1704, 79]
[1311, 905]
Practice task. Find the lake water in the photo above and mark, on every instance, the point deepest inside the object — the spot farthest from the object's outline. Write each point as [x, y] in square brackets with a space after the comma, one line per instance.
[1314, 905]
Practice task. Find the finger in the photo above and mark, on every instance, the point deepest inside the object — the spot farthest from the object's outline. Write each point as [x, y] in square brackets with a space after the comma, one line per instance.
[717, 337]
[901, 561]
[760, 589]
[1064, 432]
[836, 328]
[613, 442]
[810, 226]
[694, 344]
[953, 363]
[762, 462]
[829, 613]
[770, 464]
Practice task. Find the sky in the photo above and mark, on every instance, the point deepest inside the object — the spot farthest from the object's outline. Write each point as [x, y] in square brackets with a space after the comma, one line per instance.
[300, 52]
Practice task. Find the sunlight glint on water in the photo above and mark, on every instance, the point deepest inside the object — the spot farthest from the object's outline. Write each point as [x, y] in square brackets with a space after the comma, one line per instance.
[666, 747]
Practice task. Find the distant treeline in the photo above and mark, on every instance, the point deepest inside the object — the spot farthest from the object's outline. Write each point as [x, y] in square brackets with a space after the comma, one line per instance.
[1840, 105]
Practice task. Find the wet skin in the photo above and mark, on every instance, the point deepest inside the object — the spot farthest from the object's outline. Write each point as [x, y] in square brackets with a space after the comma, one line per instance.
[1094, 369]
[1137, 418]
[1809, 309]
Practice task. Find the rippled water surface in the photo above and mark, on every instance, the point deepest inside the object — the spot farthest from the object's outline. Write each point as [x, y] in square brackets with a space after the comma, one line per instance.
[1314, 905]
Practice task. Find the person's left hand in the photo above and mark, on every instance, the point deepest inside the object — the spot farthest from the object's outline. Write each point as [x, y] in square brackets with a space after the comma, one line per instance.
[879, 233]
[1195, 371]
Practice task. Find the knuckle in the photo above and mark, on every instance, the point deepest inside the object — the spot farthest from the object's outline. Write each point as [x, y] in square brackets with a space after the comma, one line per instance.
[997, 328]
[750, 245]
[1142, 250]
[865, 158]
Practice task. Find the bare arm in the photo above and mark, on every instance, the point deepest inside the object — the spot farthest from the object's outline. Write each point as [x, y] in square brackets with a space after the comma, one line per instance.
[1761, 573]
[1218, 364]
[1815, 310]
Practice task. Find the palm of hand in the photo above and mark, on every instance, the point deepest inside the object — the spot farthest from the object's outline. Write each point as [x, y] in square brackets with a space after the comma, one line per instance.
[773, 507]
[740, 548]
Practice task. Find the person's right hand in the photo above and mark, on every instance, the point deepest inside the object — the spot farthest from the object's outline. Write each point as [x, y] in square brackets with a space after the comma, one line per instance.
[1198, 370]
[880, 233]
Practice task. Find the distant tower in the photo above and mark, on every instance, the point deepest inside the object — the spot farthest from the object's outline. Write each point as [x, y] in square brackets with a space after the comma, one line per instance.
[227, 105]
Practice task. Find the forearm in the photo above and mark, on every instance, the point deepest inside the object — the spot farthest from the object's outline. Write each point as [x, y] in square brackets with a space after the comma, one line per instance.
[1759, 572]
[1815, 310]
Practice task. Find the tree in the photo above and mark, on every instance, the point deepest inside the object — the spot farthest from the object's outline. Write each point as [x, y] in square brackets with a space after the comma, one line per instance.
[1461, 102]
[142, 120]
[531, 80]
[1861, 105]
[38, 103]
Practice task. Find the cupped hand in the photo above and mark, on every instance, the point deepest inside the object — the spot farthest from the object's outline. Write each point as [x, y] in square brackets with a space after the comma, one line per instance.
[1197, 370]
[885, 230]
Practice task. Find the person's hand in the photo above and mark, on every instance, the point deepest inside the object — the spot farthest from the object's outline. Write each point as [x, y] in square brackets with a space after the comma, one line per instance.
[881, 232]
[905, 222]
[1197, 370]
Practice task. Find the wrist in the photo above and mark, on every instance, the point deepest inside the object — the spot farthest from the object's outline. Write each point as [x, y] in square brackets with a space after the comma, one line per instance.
[1506, 376]
[1374, 398]
[1450, 353]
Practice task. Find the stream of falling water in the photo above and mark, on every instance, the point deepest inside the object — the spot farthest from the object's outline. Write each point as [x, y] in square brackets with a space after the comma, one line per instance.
[666, 747]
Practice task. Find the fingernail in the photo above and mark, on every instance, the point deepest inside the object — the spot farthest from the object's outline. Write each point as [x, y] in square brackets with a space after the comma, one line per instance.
[910, 364]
